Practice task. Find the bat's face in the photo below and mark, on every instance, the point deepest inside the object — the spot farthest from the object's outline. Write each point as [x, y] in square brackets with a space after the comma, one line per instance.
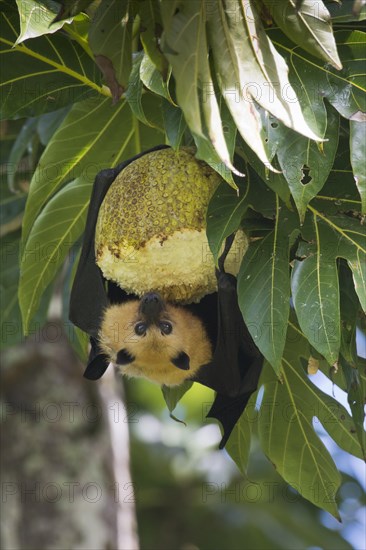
[156, 340]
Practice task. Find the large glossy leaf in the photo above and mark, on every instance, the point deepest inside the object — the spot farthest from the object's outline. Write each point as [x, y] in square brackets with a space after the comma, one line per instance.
[288, 438]
[238, 445]
[306, 165]
[356, 400]
[274, 180]
[350, 308]
[183, 47]
[250, 73]
[344, 89]
[44, 73]
[110, 39]
[151, 21]
[153, 79]
[11, 322]
[264, 287]
[36, 20]
[308, 24]
[358, 148]
[315, 294]
[93, 136]
[54, 232]
[174, 124]
[145, 106]
[315, 280]
[224, 215]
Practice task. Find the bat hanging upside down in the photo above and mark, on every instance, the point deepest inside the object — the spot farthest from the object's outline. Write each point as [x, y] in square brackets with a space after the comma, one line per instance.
[156, 340]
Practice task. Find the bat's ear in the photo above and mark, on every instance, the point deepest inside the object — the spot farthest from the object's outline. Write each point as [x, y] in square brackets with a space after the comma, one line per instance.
[124, 358]
[181, 361]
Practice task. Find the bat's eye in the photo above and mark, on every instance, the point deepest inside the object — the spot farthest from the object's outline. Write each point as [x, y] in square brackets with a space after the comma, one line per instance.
[140, 329]
[165, 327]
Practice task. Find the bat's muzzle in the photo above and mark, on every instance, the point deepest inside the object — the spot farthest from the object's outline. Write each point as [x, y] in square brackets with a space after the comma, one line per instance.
[151, 307]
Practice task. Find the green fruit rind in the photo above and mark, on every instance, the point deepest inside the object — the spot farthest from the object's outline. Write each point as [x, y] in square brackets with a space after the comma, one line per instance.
[151, 229]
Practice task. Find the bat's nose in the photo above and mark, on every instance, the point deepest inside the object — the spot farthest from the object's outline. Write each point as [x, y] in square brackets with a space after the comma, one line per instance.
[151, 305]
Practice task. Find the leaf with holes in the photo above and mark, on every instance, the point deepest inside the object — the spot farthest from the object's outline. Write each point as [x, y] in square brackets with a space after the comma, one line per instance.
[306, 165]
[44, 73]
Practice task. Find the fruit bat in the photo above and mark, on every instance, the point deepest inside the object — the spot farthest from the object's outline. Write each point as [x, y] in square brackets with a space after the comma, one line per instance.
[206, 342]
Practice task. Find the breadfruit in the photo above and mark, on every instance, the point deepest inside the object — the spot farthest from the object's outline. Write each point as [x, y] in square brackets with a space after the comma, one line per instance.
[151, 228]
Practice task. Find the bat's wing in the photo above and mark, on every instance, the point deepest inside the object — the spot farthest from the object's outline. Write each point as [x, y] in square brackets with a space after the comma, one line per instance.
[91, 293]
[236, 363]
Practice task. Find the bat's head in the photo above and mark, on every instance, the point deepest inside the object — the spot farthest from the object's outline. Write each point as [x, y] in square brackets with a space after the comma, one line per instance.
[154, 339]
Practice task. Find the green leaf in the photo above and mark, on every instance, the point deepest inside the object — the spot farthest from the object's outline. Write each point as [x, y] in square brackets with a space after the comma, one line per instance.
[53, 233]
[110, 39]
[344, 89]
[358, 147]
[273, 180]
[48, 123]
[36, 20]
[238, 445]
[250, 74]
[149, 13]
[224, 214]
[11, 210]
[344, 12]
[315, 294]
[174, 124]
[306, 165]
[43, 74]
[356, 401]
[288, 438]
[70, 7]
[350, 309]
[139, 101]
[93, 136]
[264, 288]
[308, 25]
[172, 395]
[183, 46]
[153, 79]
[343, 237]
[21, 144]
[11, 322]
